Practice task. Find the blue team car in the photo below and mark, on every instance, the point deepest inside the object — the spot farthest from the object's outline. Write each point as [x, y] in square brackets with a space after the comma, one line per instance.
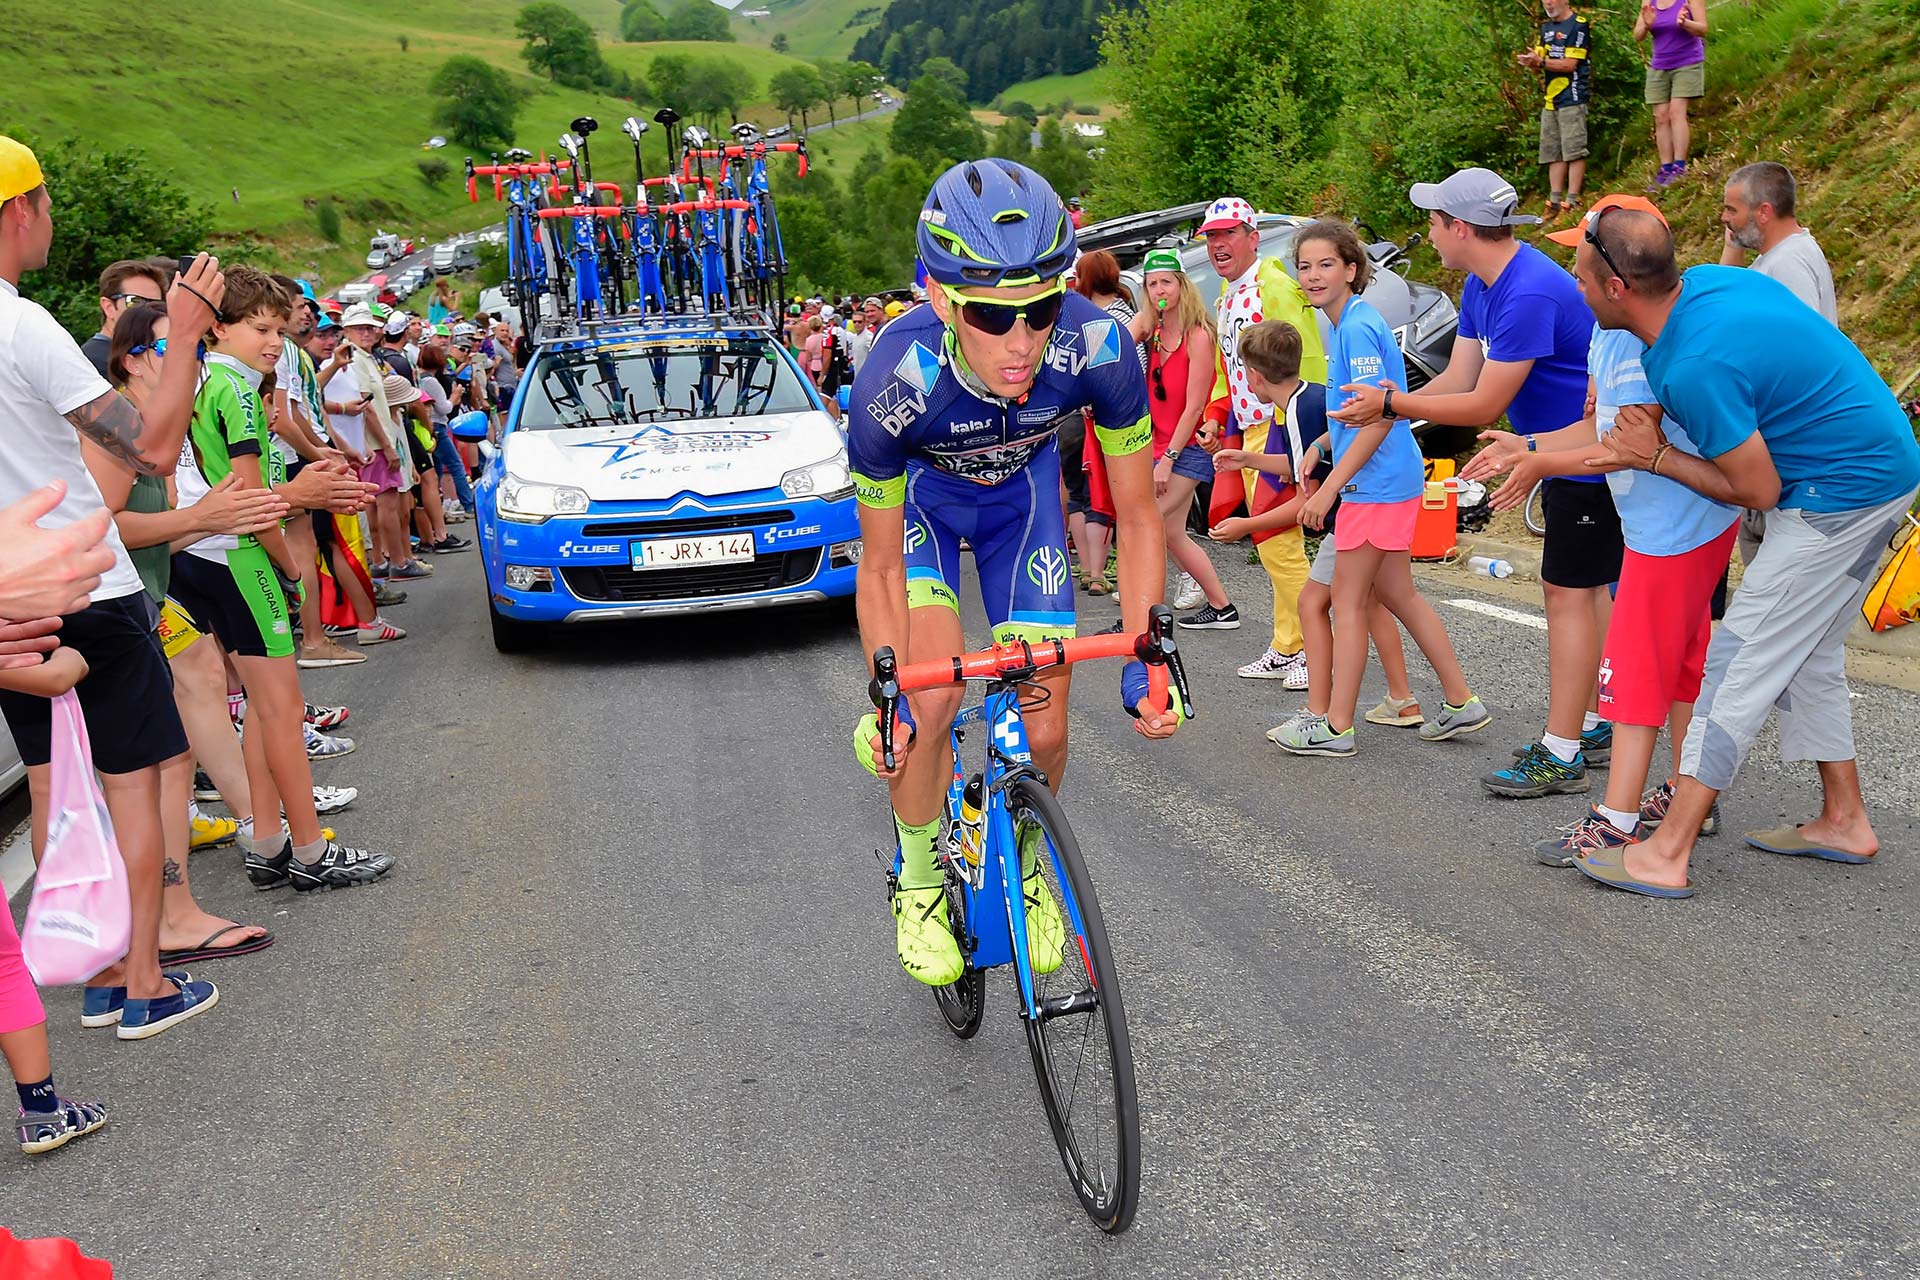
[663, 467]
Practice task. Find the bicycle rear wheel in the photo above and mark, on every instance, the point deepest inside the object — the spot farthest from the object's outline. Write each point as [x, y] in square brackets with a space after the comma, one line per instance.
[962, 1001]
[1082, 1056]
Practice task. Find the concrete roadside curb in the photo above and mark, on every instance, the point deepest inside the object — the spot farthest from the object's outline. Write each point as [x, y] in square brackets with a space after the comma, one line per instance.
[1901, 642]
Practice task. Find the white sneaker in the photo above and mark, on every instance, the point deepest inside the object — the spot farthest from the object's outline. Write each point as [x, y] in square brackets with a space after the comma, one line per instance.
[1271, 665]
[1187, 593]
[321, 746]
[1295, 675]
[333, 799]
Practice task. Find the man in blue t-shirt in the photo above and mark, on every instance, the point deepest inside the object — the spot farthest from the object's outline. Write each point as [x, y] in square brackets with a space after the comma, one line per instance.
[1522, 352]
[1788, 417]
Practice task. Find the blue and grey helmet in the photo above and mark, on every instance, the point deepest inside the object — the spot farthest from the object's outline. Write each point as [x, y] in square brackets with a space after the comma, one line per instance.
[993, 222]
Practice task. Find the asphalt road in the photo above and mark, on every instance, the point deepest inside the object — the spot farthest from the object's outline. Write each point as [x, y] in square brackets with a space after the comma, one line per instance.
[629, 1005]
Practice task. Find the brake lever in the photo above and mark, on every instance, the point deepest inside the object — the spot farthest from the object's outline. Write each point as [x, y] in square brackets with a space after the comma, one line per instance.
[884, 689]
[1158, 647]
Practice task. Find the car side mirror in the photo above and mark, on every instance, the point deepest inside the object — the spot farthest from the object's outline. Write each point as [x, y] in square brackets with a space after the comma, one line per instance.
[470, 426]
[488, 449]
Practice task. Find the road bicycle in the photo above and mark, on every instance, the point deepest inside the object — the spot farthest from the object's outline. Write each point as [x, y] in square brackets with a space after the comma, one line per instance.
[1074, 1018]
[518, 183]
[759, 255]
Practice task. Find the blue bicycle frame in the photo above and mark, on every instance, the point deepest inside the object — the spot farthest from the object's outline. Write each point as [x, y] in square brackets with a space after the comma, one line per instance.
[996, 908]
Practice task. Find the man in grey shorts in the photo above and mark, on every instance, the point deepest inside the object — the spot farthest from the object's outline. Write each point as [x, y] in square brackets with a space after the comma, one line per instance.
[1566, 38]
[1789, 418]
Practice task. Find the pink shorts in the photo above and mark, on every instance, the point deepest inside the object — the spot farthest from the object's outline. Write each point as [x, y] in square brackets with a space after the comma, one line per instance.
[380, 473]
[1387, 525]
[1656, 650]
[20, 1005]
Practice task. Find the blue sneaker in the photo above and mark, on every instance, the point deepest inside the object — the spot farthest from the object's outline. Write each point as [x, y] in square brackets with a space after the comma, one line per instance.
[1538, 772]
[143, 1018]
[102, 1006]
[1596, 745]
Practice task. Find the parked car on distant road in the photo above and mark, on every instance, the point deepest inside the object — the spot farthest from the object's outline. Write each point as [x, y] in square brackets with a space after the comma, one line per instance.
[354, 292]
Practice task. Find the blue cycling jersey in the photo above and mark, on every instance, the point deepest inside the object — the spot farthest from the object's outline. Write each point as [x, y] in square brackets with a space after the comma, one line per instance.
[975, 469]
[909, 403]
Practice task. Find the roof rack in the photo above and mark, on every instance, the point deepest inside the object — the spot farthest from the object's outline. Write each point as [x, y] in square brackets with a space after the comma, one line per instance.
[568, 328]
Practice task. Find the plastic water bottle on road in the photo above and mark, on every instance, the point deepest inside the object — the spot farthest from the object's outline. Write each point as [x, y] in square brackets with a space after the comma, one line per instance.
[1490, 567]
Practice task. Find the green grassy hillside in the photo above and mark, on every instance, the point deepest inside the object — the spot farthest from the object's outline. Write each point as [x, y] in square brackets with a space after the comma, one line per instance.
[813, 28]
[1087, 89]
[300, 102]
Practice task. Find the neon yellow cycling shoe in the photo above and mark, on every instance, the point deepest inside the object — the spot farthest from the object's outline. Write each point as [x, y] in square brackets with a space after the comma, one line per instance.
[1046, 931]
[211, 831]
[925, 940]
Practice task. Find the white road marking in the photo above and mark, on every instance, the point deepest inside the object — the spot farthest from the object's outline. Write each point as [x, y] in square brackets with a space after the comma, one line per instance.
[1501, 612]
[16, 863]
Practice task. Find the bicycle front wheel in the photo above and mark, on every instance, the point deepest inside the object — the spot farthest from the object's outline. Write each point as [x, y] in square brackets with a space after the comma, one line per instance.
[1082, 1056]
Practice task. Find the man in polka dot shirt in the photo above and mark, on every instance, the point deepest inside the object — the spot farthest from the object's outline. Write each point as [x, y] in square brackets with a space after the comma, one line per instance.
[1259, 289]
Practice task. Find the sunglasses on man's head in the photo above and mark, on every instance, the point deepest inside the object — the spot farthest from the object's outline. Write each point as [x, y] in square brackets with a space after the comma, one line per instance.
[1593, 238]
[996, 318]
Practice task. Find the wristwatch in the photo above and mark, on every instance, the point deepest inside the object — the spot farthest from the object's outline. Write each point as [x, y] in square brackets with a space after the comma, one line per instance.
[1386, 404]
[1533, 445]
[1171, 455]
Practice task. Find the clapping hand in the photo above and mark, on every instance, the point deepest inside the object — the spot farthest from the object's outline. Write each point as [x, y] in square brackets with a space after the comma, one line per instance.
[1503, 449]
[1365, 405]
[48, 572]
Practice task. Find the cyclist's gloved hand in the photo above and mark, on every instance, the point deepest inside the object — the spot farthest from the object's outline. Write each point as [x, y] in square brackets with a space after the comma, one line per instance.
[866, 738]
[1136, 689]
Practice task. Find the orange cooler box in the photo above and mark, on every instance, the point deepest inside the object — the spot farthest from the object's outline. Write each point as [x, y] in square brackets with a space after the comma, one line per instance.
[1437, 532]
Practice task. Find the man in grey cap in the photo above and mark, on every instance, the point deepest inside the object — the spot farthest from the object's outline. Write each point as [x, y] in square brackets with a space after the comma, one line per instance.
[1522, 352]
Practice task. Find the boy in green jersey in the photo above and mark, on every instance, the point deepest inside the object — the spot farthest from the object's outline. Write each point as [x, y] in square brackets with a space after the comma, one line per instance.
[245, 588]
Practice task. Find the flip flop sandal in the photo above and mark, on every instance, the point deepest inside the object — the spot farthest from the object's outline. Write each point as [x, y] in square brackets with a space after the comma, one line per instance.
[1788, 842]
[207, 951]
[1614, 876]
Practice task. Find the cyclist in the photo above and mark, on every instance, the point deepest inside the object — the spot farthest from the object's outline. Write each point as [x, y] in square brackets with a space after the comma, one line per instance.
[951, 438]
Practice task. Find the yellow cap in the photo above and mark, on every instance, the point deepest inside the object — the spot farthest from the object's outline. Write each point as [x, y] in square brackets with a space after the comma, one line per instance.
[19, 171]
[896, 309]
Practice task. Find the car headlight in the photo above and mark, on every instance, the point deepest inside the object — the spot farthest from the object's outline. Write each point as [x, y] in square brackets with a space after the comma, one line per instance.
[531, 503]
[828, 480]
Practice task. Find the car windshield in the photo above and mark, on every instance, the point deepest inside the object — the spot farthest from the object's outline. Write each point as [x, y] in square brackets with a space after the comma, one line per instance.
[1275, 242]
[659, 380]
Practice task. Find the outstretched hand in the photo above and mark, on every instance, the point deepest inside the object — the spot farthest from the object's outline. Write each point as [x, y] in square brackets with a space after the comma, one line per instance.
[1365, 405]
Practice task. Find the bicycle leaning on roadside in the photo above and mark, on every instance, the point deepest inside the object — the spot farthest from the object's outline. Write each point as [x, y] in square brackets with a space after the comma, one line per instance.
[1070, 1000]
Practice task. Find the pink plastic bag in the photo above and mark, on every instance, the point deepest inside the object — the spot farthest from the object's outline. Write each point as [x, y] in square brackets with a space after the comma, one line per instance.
[79, 921]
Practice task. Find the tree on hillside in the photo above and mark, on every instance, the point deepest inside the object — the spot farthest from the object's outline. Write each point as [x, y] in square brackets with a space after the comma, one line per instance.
[948, 73]
[998, 42]
[1061, 158]
[780, 42]
[815, 248]
[1012, 139]
[556, 37]
[859, 79]
[934, 127]
[112, 205]
[671, 77]
[797, 89]
[698, 20]
[474, 101]
[893, 198]
[716, 85]
[641, 23]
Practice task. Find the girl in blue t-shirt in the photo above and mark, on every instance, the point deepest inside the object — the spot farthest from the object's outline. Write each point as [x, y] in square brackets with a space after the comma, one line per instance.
[1377, 478]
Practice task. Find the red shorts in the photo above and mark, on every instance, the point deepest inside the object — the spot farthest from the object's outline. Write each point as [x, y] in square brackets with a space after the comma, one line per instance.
[1099, 492]
[1656, 651]
[1387, 525]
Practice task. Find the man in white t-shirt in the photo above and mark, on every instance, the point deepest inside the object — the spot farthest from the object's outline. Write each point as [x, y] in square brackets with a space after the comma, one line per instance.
[48, 392]
[1757, 211]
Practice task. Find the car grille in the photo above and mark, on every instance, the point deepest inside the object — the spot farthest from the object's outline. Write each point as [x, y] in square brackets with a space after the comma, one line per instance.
[691, 524]
[615, 584]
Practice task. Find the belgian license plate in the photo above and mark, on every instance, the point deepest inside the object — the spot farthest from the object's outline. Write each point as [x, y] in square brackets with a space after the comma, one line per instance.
[686, 553]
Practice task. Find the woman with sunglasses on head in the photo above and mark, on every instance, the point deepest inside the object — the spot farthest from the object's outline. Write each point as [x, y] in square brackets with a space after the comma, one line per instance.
[1176, 333]
[951, 437]
[152, 526]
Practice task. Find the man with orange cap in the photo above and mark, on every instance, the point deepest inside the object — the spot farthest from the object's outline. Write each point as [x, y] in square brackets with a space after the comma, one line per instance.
[1677, 545]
